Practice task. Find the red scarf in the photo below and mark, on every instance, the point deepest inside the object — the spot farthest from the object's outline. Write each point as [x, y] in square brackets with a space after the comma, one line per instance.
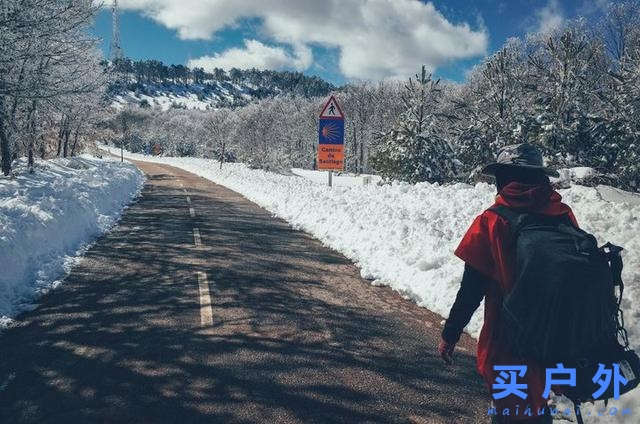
[538, 198]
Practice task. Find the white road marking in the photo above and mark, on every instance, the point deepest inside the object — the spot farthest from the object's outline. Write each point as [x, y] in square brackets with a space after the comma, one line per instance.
[196, 237]
[185, 190]
[206, 314]
[192, 212]
[188, 200]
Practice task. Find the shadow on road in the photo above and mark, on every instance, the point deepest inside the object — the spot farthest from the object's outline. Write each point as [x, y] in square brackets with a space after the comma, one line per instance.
[297, 335]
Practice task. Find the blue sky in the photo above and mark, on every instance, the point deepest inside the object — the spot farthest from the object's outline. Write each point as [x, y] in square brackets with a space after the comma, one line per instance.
[337, 40]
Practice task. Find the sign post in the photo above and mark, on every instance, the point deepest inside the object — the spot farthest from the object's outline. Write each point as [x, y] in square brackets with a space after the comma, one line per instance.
[331, 138]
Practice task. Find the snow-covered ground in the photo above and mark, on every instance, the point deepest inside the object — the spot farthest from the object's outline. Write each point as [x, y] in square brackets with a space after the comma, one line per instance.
[50, 217]
[338, 179]
[193, 96]
[404, 235]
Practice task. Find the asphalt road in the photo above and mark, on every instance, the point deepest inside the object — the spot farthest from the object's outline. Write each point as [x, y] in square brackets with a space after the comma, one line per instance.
[200, 307]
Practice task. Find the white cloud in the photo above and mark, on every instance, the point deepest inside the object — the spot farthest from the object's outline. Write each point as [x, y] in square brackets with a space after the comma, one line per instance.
[549, 18]
[256, 55]
[375, 38]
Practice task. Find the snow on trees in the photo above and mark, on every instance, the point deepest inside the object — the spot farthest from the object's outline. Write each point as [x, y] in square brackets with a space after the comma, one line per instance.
[216, 128]
[490, 106]
[415, 149]
[573, 91]
[47, 63]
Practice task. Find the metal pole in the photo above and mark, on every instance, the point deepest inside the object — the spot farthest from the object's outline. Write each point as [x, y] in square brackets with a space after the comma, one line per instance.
[330, 178]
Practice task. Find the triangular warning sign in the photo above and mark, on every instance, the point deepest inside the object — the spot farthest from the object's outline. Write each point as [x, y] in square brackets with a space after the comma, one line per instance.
[332, 109]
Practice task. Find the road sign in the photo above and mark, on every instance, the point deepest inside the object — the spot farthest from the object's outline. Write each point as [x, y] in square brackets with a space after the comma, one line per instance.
[331, 110]
[331, 131]
[331, 137]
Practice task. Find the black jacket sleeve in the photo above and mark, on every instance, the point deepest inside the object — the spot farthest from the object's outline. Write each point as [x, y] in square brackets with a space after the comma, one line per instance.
[472, 289]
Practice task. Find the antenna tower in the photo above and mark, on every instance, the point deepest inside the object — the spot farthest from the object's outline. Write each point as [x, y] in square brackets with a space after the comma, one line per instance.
[115, 48]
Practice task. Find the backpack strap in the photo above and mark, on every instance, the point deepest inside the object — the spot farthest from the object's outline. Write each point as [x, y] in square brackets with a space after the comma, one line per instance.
[517, 220]
[505, 212]
[514, 218]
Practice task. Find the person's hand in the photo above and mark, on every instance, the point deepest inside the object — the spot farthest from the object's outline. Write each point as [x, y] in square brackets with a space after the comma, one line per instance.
[445, 349]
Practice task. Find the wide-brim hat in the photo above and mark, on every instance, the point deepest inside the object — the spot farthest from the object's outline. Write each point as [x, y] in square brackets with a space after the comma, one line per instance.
[522, 155]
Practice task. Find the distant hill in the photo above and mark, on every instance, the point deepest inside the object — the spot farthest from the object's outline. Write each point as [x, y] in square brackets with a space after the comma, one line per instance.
[153, 84]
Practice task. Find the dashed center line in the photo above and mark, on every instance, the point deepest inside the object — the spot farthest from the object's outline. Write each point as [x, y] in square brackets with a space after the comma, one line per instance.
[196, 237]
[206, 314]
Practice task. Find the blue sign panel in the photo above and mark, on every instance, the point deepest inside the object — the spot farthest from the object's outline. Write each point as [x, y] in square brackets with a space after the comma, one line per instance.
[331, 131]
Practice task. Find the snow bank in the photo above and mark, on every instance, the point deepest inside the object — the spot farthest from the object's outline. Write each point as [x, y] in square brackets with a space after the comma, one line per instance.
[48, 218]
[338, 179]
[569, 175]
[404, 235]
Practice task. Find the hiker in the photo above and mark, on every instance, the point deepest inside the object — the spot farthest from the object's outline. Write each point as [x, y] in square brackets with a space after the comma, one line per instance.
[489, 256]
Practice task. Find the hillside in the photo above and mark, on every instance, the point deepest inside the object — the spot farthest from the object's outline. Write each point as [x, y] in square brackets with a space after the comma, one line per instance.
[153, 84]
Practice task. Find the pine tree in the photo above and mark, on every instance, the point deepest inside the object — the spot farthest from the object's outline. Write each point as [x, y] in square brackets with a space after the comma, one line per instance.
[415, 149]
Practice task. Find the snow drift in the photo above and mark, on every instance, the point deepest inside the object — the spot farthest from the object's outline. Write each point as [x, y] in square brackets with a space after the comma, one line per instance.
[49, 217]
[404, 235]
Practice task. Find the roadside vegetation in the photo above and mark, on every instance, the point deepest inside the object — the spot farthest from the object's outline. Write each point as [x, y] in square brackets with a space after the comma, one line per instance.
[51, 81]
[573, 91]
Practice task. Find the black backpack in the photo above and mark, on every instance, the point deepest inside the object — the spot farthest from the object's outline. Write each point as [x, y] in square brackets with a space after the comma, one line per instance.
[563, 307]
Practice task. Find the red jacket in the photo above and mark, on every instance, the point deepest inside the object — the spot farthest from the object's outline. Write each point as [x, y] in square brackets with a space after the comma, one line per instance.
[486, 247]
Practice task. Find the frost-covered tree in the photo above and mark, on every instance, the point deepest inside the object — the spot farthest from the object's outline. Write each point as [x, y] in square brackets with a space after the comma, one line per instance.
[45, 55]
[490, 105]
[359, 102]
[216, 126]
[415, 149]
[618, 126]
[126, 124]
[573, 91]
[567, 70]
